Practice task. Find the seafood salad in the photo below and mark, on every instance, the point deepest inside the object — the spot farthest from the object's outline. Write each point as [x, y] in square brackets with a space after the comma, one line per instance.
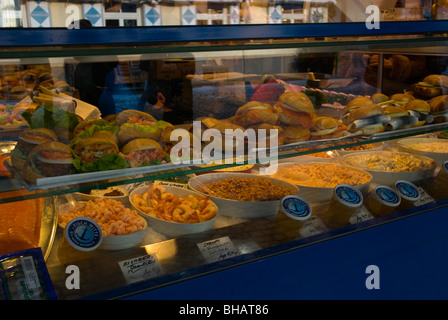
[166, 206]
[111, 215]
[389, 162]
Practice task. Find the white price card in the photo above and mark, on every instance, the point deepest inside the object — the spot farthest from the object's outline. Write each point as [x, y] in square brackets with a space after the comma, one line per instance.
[424, 198]
[312, 226]
[217, 249]
[170, 184]
[141, 268]
[361, 215]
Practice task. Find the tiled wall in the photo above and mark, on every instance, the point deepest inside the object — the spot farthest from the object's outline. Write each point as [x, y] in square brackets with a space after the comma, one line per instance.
[42, 13]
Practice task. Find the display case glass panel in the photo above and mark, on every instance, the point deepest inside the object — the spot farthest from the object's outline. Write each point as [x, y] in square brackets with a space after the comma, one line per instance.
[316, 168]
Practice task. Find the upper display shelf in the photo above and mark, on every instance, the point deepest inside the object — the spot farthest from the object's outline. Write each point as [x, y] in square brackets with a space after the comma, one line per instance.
[207, 74]
[136, 13]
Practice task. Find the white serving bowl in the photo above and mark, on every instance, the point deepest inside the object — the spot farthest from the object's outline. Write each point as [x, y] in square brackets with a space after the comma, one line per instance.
[125, 241]
[170, 228]
[406, 146]
[390, 177]
[241, 209]
[86, 197]
[318, 195]
[114, 242]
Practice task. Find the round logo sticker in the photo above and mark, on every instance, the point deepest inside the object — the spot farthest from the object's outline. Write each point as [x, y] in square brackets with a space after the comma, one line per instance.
[348, 195]
[83, 234]
[445, 166]
[407, 190]
[387, 195]
[296, 207]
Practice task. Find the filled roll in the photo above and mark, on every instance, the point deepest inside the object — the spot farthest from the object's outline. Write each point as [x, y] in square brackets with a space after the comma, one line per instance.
[141, 152]
[255, 112]
[295, 109]
[48, 159]
[29, 139]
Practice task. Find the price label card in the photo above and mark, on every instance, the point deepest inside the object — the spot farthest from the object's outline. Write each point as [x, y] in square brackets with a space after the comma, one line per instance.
[361, 215]
[170, 183]
[424, 198]
[141, 268]
[312, 226]
[217, 249]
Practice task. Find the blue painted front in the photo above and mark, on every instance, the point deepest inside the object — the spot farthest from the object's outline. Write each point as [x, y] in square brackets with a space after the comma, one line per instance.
[411, 254]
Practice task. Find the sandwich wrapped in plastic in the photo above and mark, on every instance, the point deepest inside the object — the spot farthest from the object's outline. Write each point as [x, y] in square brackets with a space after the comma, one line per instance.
[24, 276]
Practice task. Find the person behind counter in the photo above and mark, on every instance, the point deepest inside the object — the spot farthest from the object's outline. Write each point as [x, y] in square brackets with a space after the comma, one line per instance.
[99, 84]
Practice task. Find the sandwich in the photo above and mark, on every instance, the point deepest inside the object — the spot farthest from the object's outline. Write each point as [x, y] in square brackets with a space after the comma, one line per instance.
[143, 152]
[327, 128]
[439, 108]
[419, 109]
[255, 112]
[431, 86]
[49, 159]
[294, 134]
[95, 127]
[354, 104]
[369, 119]
[97, 154]
[135, 124]
[18, 92]
[231, 140]
[399, 118]
[29, 139]
[25, 106]
[399, 99]
[295, 109]
[271, 132]
[379, 98]
[206, 123]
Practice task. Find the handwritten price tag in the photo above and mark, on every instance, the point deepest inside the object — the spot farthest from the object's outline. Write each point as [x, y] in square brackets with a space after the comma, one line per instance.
[312, 227]
[141, 268]
[424, 198]
[361, 215]
[217, 249]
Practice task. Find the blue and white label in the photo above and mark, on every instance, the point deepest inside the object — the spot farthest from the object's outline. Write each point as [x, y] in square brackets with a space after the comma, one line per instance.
[348, 195]
[445, 166]
[407, 190]
[296, 207]
[83, 234]
[388, 196]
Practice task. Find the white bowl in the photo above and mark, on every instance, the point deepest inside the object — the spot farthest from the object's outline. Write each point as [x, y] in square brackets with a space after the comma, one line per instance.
[86, 197]
[323, 194]
[125, 241]
[390, 177]
[114, 242]
[170, 228]
[241, 209]
[406, 146]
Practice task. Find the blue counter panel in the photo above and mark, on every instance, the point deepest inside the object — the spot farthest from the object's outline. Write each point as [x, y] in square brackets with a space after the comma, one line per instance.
[411, 255]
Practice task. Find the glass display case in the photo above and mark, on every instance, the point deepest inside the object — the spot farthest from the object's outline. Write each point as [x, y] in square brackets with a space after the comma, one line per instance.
[248, 131]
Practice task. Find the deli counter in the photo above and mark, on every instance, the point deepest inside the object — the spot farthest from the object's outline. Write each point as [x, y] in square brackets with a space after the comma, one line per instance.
[161, 169]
